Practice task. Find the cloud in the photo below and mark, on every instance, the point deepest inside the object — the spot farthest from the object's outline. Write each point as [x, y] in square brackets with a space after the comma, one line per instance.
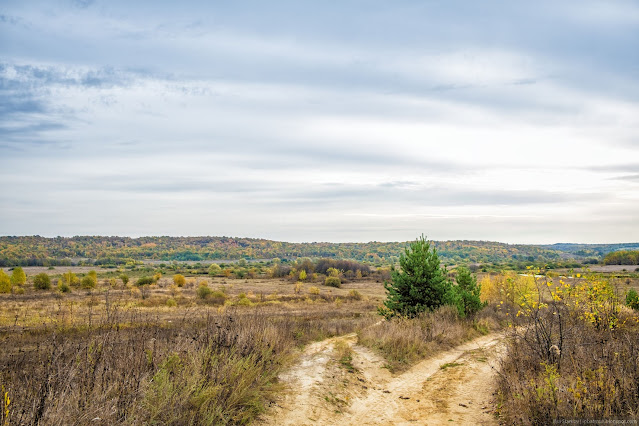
[629, 178]
[301, 121]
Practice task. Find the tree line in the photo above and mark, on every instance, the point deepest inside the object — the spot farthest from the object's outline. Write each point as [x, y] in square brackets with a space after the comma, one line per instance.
[105, 250]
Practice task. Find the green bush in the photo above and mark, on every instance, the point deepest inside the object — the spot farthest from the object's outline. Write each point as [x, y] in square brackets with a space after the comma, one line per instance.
[41, 282]
[63, 287]
[203, 291]
[333, 282]
[89, 281]
[214, 270]
[243, 301]
[124, 278]
[632, 299]
[144, 281]
[171, 303]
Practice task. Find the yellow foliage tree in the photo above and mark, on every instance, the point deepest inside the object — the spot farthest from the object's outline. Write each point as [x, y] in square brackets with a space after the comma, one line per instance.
[5, 282]
[179, 280]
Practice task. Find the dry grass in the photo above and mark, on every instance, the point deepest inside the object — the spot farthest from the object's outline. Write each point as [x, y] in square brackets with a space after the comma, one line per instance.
[215, 369]
[403, 342]
[160, 354]
[596, 379]
[574, 355]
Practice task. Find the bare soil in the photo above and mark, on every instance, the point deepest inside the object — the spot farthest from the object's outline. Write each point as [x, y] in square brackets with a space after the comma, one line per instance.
[455, 386]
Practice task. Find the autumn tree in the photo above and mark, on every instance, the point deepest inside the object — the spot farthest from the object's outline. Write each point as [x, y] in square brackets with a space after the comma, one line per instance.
[70, 278]
[5, 282]
[18, 277]
[179, 280]
[214, 269]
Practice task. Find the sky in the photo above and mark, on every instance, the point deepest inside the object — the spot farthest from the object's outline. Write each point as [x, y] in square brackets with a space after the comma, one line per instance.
[309, 121]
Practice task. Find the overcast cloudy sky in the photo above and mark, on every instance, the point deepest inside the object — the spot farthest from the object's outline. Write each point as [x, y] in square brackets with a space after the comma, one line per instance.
[321, 121]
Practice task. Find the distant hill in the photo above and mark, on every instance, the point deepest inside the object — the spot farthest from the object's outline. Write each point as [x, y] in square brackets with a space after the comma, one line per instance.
[36, 250]
[590, 250]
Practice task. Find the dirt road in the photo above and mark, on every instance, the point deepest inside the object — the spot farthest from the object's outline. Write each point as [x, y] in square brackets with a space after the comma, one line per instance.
[453, 387]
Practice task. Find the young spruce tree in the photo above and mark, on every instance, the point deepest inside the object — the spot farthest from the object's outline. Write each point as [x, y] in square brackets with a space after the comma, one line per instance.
[467, 289]
[421, 284]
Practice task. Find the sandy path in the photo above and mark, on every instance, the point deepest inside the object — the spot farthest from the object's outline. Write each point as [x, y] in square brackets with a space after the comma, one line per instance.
[324, 392]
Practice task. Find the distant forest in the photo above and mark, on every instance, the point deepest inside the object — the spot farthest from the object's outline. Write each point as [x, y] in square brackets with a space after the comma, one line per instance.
[99, 250]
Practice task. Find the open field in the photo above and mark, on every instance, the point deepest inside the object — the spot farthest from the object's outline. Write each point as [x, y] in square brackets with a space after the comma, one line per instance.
[161, 353]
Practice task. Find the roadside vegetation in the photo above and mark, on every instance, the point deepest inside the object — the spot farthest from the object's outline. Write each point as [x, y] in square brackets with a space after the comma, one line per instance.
[427, 310]
[572, 351]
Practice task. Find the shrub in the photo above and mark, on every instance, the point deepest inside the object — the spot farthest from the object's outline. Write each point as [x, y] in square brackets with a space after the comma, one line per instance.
[632, 299]
[144, 281]
[333, 282]
[332, 272]
[63, 287]
[511, 288]
[70, 278]
[242, 300]
[302, 276]
[42, 281]
[203, 291]
[217, 297]
[179, 280]
[18, 277]
[5, 282]
[171, 303]
[89, 281]
[215, 270]
[125, 279]
[313, 290]
[355, 295]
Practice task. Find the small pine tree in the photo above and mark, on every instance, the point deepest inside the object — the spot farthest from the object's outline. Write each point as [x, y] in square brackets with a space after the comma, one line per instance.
[421, 284]
[467, 292]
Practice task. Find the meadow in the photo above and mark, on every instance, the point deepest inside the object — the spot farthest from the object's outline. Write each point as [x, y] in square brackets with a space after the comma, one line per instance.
[175, 344]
